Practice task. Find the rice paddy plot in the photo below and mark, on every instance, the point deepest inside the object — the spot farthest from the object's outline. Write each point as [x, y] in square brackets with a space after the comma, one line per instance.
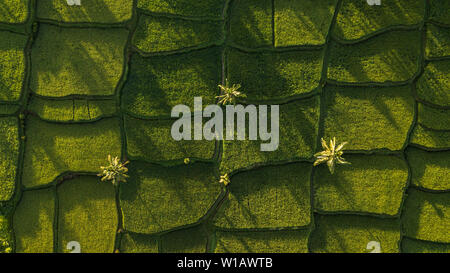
[297, 139]
[92, 11]
[77, 61]
[157, 84]
[268, 198]
[358, 20]
[371, 184]
[157, 199]
[52, 149]
[354, 234]
[369, 118]
[160, 34]
[9, 156]
[426, 216]
[289, 241]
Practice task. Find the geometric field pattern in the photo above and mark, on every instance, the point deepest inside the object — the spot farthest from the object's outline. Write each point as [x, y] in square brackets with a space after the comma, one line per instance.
[78, 83]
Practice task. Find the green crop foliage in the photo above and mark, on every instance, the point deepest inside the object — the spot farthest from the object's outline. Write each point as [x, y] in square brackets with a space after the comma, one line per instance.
[434, 118]
[439, 11]
[9, 156]
[369, 118]
[204, 8]
[269, 197]
[87, 214]
[392, 56]
[138, 243]
[298, 132]
[190, 240]
[14, 11]
[267, 75]
[438, 41]
[12, 65]
[8, 109]
[429, 170]
[302, 22]
[434, 83]
[426, 216]
[159, 34]
[371, 184]
[76, 61]
[294, 241]
[351, 234]
[251, 23]
[156, 84]
[90, 11]
[356, 19]
[52, 149]
[417, 246]
[33, 222]
[151, 140]
[5, 235]
[159, 198]
[81, 82]
[430, 138]
[71, 110]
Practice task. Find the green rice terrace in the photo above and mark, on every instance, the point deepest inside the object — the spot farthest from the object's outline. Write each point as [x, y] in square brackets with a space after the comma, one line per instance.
[81, 82]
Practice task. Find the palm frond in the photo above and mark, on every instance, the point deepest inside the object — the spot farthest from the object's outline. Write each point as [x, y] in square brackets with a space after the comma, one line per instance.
[115, 171]
[331, 154]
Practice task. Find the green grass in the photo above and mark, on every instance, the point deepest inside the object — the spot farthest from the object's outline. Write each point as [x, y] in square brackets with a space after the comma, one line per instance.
[438, 41]
[87, 214]
[12, 65]
[269, 197]
[430, 138]
[76, 61]
[14, 11]
[369, 118]
[33, 222]
[268, 75]
[191, 240]
[91, 11]
[152, 140]
[160, 34]
[156, 84]
[74, 110]
[390, 57]
[351, 234]
[294, 241]
[426, 216]
[52, 149]
[9, 156]
[372, 183]
[439, 11]
[357, 19]
[157, 199]
[417, 246]
[298, 133]
[434, 83]
[434, 118]
[204, 8]
[429, 170]
[138, 243]
[251, 23]
[302, 23]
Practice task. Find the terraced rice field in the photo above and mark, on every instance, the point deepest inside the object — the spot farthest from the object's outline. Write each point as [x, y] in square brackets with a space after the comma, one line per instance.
[80, 82]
